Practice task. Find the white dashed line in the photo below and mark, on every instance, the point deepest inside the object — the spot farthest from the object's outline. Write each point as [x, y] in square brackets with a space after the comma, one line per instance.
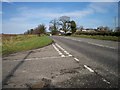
[24, 71]
[76, 59]
[66, 52]
[105, 81]
[41, 58]
[70, 55]
[60, 53]
[30, 59]
[88, 68]
[63, 49]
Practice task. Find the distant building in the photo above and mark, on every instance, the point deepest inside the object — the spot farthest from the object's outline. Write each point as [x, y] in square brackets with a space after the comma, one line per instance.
[88, 30]
[84, 30]
[61, 32]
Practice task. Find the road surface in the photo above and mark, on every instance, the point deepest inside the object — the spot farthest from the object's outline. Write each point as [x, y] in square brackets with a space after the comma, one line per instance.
[67, 63]
[100, 55]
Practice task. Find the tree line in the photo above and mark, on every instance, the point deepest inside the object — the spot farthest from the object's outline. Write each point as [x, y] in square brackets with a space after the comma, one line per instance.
[69, 27]
[63, 25]
[40, 29]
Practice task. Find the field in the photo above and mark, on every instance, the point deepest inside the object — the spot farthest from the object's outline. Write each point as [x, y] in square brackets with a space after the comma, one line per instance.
[100, 37]
[16, 43]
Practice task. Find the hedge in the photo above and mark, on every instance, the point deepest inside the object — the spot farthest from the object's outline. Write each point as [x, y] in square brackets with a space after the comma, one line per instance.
[98, 33]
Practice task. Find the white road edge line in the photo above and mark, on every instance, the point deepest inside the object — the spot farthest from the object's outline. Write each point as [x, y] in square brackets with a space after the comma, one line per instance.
[60, 53]
[63, 50]
[76, 59]
[88, 68]
[60, 47]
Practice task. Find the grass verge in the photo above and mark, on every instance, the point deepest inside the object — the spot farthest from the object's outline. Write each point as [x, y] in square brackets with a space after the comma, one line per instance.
[23, 43]
[112, 38]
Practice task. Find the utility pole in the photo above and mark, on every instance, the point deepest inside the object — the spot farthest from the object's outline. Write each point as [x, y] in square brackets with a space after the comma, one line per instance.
[115, 22]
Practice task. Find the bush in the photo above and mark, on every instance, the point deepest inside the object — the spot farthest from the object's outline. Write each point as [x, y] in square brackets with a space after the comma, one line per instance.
[98, 33]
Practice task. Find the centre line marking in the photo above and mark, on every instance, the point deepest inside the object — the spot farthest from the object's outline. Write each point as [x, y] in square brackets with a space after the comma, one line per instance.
[88, 68]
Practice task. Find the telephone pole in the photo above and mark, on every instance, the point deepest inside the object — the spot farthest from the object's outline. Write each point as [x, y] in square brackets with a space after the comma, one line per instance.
[115, 22]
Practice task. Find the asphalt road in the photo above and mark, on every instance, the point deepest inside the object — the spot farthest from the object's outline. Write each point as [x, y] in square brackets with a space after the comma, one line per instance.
[67, 63]
[100, 55]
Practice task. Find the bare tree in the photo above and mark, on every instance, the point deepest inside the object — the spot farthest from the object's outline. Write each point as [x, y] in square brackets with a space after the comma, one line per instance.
[64, 22]
[53, 27]
[103, 29]
[81, 28]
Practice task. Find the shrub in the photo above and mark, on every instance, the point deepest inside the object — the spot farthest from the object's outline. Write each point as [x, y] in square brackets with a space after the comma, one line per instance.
[98, 33]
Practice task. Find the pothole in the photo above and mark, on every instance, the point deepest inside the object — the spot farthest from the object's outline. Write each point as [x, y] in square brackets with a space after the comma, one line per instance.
[67, 71]
[70, 71]
[43, 83]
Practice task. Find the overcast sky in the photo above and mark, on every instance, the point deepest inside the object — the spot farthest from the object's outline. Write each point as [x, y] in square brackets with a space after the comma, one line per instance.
[21, 16]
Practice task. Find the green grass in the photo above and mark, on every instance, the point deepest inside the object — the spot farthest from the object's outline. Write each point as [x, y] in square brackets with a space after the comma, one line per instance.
[23, 43]
[112, 38]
